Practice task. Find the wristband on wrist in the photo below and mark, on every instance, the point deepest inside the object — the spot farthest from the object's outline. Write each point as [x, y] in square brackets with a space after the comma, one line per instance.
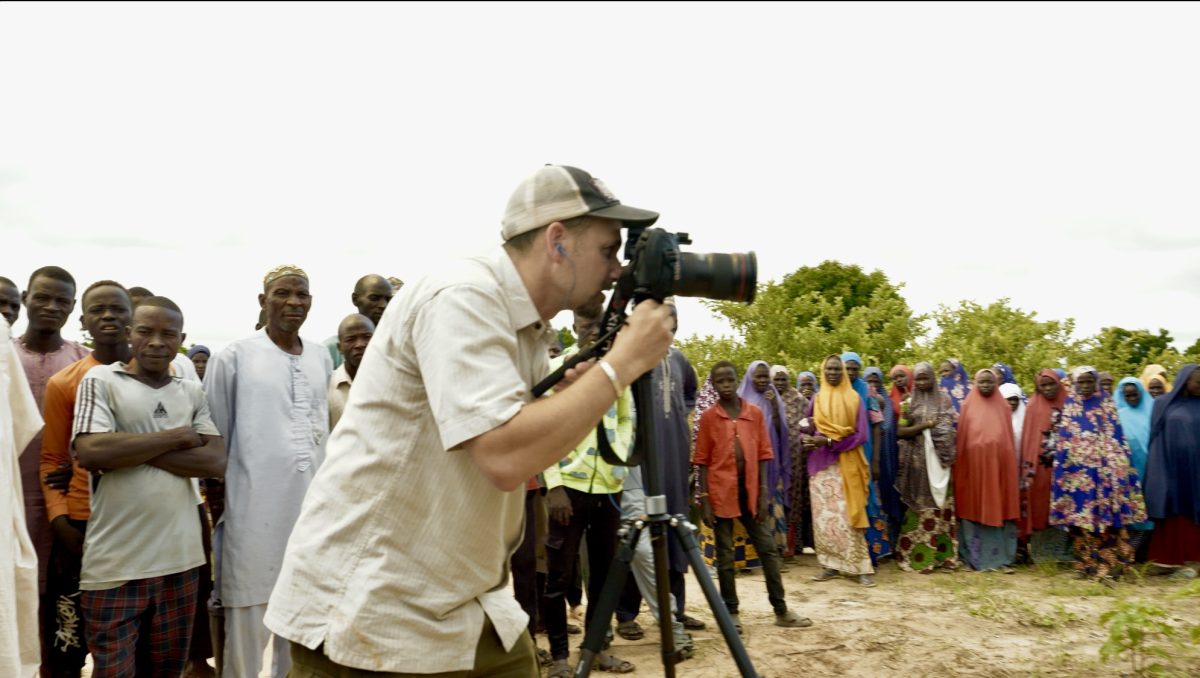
[612, 376]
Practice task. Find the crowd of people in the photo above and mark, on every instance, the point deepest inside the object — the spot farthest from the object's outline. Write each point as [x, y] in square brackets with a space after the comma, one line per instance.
[174, 511]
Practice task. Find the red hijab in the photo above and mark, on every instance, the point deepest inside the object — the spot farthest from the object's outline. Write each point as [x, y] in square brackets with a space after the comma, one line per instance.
[1037, 421]
[896, 394]
[985, 470]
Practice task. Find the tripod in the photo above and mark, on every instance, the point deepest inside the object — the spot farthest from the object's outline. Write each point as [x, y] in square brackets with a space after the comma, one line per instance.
[658, 520]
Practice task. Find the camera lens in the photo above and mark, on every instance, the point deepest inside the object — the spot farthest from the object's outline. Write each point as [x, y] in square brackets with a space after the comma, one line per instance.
[731, 277]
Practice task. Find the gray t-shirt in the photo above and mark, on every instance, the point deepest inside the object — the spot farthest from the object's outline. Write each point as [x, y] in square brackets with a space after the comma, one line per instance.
[144, 522]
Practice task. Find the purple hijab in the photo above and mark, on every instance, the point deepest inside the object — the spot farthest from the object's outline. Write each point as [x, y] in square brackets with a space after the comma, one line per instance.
[776, 418]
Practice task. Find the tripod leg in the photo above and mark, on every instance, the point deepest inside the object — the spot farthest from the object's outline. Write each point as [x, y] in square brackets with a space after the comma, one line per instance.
[606, 605]
[662, 581]
[687, 536]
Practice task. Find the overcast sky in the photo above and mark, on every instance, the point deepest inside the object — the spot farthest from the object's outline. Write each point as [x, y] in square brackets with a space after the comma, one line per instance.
[1045, 152]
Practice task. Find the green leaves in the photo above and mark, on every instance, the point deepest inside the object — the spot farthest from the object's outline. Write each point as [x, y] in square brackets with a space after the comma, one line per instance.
[834, 307]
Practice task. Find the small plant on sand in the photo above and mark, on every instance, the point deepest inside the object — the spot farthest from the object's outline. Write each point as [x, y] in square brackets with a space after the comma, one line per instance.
[1144, 633]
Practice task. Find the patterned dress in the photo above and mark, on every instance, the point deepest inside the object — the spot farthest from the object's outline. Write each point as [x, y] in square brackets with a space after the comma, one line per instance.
[1095, 492]
[928, 534]
[799, 517]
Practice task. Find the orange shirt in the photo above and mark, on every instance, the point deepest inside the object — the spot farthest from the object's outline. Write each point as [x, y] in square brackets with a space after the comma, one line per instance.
[58, 410]
[714, 449]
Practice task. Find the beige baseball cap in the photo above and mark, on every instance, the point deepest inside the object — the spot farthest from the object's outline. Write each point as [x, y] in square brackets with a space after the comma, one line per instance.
[557, 193]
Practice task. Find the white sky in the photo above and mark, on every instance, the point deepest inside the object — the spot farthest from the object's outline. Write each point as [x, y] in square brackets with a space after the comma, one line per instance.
[1044, 152]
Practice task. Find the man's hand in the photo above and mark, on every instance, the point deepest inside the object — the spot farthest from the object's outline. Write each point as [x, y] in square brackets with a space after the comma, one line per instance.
[67, 535]
[560, 505]
[762, 504]
[643, 341]
[186, 438]
[60, 478]
[706, 513]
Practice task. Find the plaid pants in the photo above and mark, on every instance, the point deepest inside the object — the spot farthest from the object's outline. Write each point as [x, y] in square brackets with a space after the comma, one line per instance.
[142, 628]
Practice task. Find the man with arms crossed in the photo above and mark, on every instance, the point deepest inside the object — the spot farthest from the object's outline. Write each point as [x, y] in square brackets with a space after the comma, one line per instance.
[398, 561]
[144, 434]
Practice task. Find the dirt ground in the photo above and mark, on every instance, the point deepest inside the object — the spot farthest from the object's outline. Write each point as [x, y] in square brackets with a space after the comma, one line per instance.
[1040, 621]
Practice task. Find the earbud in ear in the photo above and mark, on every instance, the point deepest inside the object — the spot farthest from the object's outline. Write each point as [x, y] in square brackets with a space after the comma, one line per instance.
[561, 250]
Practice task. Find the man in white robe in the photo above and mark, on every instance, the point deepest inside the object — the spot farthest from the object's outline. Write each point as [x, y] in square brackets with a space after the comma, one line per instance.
[20, 646]
[267, 395]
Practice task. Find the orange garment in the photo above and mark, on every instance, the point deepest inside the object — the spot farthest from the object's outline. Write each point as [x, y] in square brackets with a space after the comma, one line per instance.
[58, 409]
[714, 449]
[985, 470]
[1037, 421]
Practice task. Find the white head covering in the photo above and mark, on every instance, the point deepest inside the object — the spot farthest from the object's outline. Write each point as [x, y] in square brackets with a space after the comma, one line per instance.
[776, 369]
[1081, 370]
[1011, 390]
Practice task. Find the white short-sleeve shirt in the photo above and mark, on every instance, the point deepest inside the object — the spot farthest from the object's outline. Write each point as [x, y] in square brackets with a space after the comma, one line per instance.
[402, 545]
[143, 521]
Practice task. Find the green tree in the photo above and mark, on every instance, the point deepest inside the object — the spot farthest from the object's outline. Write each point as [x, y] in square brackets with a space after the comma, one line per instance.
[811, 313]
[980, 336]
[1124, 352]
[566, 337]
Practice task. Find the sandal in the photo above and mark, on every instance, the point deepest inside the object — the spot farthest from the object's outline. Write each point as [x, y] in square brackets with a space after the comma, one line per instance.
[737, 622]
[791, 620]
[693, 624]
[560, 668]
[610, 663]
[573, 630]
[826, 575]
[630, 630]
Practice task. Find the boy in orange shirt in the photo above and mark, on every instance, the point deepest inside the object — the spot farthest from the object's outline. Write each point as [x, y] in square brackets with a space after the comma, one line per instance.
[106, 312]
[732, 448]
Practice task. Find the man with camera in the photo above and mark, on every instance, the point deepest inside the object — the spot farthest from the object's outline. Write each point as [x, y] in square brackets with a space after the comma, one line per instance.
[398, 562]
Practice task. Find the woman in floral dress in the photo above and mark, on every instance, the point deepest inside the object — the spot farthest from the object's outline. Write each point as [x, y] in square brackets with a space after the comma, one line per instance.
[1096, 492]
[928, 535]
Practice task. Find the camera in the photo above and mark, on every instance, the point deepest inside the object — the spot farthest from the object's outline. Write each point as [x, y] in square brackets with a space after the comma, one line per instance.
[658, 269]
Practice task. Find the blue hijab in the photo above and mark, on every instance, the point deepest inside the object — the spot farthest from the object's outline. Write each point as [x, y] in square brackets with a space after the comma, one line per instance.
[780, 467]
[1172, 482]
[957, 385]
[1135, 423]
[1005, 373]
[816, 382]
[878, 537]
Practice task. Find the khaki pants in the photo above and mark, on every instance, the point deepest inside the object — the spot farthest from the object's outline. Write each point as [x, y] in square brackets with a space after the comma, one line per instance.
[490, 660]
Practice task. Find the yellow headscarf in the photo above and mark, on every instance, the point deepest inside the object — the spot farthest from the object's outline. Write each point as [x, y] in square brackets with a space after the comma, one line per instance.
[835, 414]
[1156, 372]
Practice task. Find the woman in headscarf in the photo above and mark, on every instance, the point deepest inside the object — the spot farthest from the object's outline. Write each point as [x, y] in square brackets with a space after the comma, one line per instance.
[1016, 400]
[928, 535]
[744, 555]
[806, 383]
[1043, 543]
[902, 386]
[1095, 492]
[889, 498]
[199, 355]
[1106, 384]
[799, 532]
[1134, 407]
[878, 534]
[954, 382]
[839, 477]
[985, 478]
[1173, 472]
[758, 390]
[1155, 379]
